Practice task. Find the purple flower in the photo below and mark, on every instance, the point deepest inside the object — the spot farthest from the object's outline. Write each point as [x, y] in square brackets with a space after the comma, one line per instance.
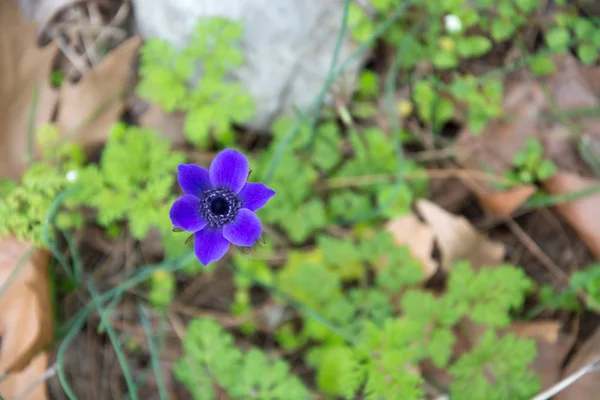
[218, 205]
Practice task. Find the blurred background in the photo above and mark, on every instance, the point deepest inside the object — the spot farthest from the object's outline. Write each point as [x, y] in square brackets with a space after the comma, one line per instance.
[435, 232]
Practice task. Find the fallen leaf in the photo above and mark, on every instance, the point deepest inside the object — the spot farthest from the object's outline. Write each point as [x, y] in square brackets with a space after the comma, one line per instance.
[494, 149]
[588, 386]
[534, 111]
[503, 204]
[89, 107]
[169, 125]
[545, 330]
[24, 68]
[553, 346]
[582, 214]
[410, 231]
[25, 307]
[457, 239]
[26, 383]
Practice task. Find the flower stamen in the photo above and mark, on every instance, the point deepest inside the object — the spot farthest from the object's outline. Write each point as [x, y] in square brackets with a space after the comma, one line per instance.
[219, 207]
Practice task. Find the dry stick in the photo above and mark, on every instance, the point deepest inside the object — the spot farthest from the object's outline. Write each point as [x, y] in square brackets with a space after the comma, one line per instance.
[547, 261]
[71, 55]
[591, 367]
[353, 181]
[90, 50]
[535, 249]
[119, 17]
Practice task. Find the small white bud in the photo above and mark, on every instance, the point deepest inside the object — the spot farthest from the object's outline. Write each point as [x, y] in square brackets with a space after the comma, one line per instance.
[71, 176]
[452, 23]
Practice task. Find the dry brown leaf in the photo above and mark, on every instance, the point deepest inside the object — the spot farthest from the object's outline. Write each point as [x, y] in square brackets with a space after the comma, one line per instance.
[23, 67]
[503, 204]
[410, 231]
[494, 149]
[89, 108]
[25, 307]
[532, 110]
[457, 239]
[588, 386]
[27, 384]
[582, 214]
[552, 344]
[169, 125]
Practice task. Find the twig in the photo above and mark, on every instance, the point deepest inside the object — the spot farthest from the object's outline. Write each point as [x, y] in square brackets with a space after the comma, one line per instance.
[548, 263]
[591, 367]
[365, 180]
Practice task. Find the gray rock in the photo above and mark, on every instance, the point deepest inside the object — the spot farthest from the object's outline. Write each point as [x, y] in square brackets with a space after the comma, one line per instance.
[288, 45]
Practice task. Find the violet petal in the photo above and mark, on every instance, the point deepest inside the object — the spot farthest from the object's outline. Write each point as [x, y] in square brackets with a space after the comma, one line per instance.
[210, 245]
[185, 213]
[229, 169]
[255, 195]
[193, 179]
[245, 230]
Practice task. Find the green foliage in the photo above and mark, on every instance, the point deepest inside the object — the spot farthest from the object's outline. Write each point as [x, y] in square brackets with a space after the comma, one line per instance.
[162, 288]
[379, 360]
[24, 207]
[437, 103]
[588, 280]
[133, 181]
[298, 207]
[530, 165]
[566, 300]
[504, 361]
[488, 295]
[212, 360]
[575, 32]
[213, 104]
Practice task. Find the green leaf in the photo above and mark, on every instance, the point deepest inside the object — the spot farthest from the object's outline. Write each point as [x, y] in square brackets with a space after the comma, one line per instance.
[336, 370]
[558, 39]
[445, 60]
[496, 369]
[368, 84]
[546, 169]
[502, 29]
[394, 200]
[583, 28]
[587, 53]
[342, 256]
[527, 6]
[473, 46]
[491, 292]
[542, 65]
[211, 358]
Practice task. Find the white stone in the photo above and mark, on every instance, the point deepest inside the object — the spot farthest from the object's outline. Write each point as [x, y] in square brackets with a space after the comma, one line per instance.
[288, 45]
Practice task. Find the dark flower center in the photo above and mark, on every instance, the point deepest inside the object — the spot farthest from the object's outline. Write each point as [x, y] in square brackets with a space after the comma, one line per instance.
[219, 207]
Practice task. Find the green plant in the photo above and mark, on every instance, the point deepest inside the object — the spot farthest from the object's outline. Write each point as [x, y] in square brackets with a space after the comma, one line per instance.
[361, 342]
[530, 165]
[162, 288]
[132, 182]
[212, 364]
[572, 31]
[305, 203]
[24, 207]
[213, 104]
[481, 102]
